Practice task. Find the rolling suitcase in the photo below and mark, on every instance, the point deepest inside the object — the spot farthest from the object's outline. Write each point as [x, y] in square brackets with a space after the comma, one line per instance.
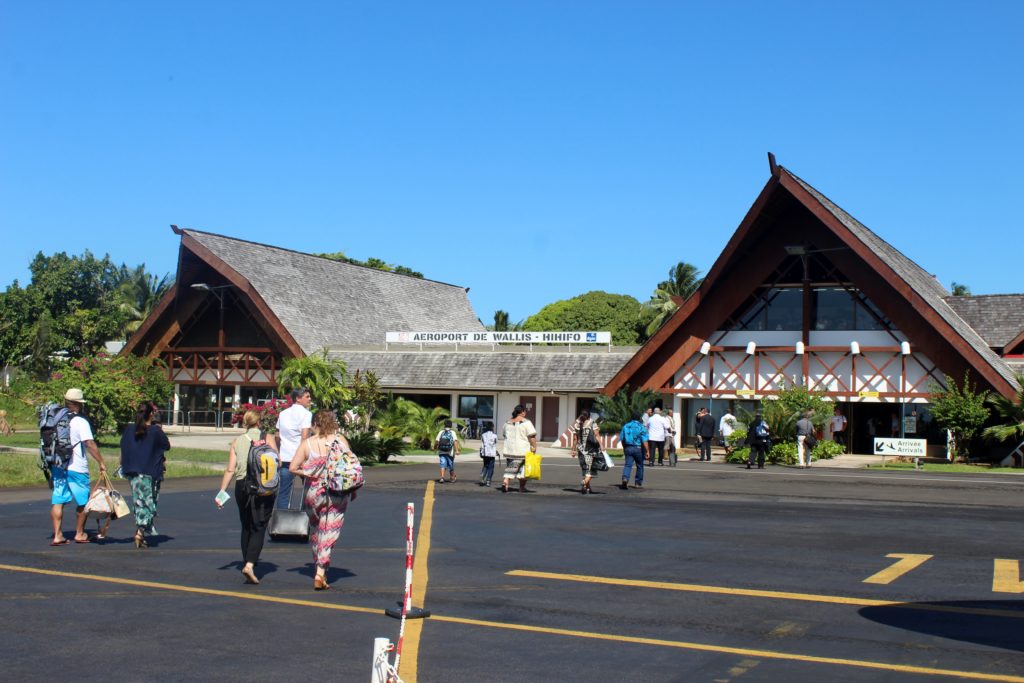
[290, 523]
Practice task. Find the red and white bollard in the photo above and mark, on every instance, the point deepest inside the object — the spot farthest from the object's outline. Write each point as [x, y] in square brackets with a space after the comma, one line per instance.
[381, 645]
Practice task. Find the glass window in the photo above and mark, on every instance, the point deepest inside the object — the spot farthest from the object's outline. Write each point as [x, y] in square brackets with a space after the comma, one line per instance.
[476, 407]
[832, 309]
[868, 317]
[785, 309]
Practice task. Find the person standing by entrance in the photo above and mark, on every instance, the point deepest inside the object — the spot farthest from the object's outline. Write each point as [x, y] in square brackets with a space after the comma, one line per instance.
[293, 427]
[72, 482]
[706, 431]
[804, 428]
[657, 431]
[633, 438]
[839, 427]
[520, 439]
[759, 440]
[726, 426]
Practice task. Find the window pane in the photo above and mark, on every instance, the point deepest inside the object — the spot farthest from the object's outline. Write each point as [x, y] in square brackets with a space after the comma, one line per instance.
[785, 309]
[467, 406]
[833, 309]
[485, 406]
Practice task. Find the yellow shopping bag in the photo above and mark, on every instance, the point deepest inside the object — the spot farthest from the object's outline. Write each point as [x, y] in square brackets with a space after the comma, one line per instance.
[531, 470]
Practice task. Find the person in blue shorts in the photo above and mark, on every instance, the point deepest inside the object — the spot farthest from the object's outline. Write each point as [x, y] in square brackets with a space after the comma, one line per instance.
[447, 444]
[72, 483]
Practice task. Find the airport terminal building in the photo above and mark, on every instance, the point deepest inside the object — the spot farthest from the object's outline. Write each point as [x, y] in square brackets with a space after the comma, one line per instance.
[239, 309]
[802, 294]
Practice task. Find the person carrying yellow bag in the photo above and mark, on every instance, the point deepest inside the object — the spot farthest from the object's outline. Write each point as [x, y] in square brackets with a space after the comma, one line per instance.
[520, 439]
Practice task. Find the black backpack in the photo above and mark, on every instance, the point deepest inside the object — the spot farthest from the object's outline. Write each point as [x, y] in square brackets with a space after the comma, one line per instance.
[55, 447]
[446, 442]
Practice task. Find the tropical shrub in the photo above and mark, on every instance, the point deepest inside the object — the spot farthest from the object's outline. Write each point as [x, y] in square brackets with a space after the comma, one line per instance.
[1010, 413]
[826, 450]
[783, 453]
[364, 445]
[962, 411]
[423, 423]
[323, 376]
[268, 413]
[114, 386]
[739, 455]
[619, 409]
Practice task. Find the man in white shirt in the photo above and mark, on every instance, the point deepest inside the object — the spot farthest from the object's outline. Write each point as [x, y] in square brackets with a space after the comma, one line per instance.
[293, 427]
[726, 426]
[657, 429]
[72, 482]
[839, 427]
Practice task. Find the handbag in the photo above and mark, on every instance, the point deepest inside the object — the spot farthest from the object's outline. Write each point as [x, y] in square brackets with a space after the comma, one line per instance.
[106, 501]
[609, 463]
[531, 468]
[289, 522]
[810, 441]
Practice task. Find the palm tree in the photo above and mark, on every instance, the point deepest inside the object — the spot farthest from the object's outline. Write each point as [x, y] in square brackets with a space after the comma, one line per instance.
[619, 409]
[1010, 412]
[139, 293]
[424, 423]
[500, 321]
[683, 280]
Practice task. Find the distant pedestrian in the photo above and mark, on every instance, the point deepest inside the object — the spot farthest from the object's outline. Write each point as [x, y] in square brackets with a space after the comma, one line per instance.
[253, 510]
[804, 428]
[488, 452]
[143, 445]
[647, 416]
[839, 427]
[696, 431]
[670, 437]
[706, 431]
[293, 427]
[759, 440]
[317, 461]
[447, 445]
[588, 448]
[633, 438]
[71, 482]
[520, 438]
[726, 426]
[657, 431]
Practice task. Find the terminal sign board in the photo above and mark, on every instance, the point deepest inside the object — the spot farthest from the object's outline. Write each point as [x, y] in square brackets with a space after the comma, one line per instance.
[914, 448]
[498, 337]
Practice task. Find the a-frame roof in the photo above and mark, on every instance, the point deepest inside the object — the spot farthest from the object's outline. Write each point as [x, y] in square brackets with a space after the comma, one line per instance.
[309, 302]
[790, 211]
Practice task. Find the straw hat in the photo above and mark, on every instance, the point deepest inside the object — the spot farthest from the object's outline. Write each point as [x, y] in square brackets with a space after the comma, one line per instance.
[74, 395]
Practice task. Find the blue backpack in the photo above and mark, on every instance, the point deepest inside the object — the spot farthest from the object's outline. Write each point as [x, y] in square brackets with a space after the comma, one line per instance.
[446, 442]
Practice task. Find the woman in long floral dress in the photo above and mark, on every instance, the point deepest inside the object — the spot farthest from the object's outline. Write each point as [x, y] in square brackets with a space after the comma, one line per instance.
[143, 445]
[326, 509]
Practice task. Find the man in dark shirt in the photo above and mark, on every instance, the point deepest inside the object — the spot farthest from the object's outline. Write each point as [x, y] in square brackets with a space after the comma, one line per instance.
[706, 432]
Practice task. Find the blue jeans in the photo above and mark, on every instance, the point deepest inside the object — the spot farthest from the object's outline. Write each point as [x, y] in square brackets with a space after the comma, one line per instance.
[284, 490]
[487, 471]
[633, 454]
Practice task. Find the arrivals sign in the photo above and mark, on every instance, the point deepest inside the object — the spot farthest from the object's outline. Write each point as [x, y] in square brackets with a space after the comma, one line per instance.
[914, 448]
[498, 337]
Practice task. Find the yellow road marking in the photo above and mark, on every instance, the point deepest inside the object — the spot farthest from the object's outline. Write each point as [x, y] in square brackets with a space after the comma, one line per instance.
[787, 628]
[775, 595]
[610, 637]
[898, 569]
[742, 652]
[1006, 577]
[193, 589]
[414, 627]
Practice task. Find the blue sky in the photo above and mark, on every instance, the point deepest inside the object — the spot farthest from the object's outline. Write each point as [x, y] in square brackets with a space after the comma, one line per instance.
[529, 150]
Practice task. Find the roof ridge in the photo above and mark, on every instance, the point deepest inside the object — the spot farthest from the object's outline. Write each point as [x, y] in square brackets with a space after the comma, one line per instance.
[325, 258]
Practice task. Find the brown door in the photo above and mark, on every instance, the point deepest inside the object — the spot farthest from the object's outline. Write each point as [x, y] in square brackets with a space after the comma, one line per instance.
[530, 403]
[549, 416]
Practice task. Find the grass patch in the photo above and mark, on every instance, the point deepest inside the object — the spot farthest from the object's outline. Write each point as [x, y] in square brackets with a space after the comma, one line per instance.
[946, 467]
[20, 415]
[19, 469]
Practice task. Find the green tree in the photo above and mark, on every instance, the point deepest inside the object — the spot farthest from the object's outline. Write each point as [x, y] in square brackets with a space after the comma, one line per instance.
[323, 376]
[683, 280]
[500, 321]
[114, 386]
[372, 262]
[621, 314]
[620, 408]
[1010, 412]
[960, 289]
[961, 410]
[138, 294]
[366, 396]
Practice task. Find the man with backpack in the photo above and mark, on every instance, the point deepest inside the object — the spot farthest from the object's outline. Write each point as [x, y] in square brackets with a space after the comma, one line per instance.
[65, 438]
[447, 445]
[759, 439]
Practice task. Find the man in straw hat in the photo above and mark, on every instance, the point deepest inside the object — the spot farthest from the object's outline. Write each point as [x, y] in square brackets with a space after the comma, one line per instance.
[72, 483]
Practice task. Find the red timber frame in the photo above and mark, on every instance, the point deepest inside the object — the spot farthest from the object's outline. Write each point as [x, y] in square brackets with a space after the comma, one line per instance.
[722, 384]
[786, 213]
[218, 365]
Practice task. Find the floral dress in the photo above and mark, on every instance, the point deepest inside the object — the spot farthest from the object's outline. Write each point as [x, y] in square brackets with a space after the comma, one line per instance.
[326, 509]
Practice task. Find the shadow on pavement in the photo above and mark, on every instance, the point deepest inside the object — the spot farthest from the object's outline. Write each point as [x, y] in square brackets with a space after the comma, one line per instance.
[995, 623]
